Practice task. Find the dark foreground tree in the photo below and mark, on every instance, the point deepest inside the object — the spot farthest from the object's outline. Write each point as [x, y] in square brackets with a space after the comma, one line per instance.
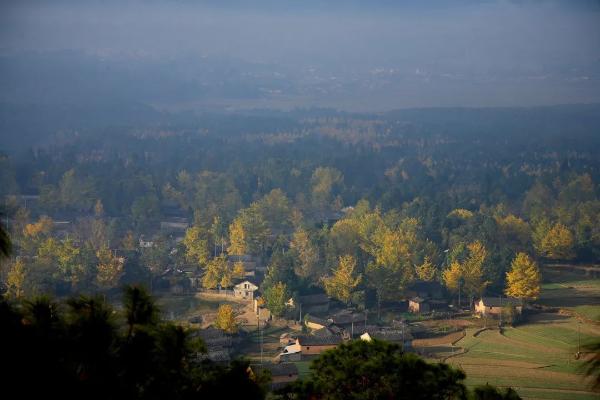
[488, 392]
[83, 349]
[5, 245]
[377, 370]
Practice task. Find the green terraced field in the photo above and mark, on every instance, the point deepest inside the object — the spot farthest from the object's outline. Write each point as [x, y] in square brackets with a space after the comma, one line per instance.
[537, 357]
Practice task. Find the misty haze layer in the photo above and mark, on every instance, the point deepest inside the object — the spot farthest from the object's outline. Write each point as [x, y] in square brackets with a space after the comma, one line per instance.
[366, 56]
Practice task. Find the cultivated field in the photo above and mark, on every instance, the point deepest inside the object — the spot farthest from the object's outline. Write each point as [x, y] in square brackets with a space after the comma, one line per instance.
[537, 358]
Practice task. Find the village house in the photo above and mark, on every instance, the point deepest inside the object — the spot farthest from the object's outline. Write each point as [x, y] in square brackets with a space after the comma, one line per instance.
[312, 344]
[493, 306]
[400, 336]
[144, 243]
[281, 373]
[245, 290]
[291, 352]
[349, 321]
[418, 305]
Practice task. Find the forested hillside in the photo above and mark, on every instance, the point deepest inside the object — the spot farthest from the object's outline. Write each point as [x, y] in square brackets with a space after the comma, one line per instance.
[390, 197]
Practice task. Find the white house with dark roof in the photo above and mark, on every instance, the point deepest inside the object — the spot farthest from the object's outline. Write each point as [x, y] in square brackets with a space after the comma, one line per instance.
[245, 290]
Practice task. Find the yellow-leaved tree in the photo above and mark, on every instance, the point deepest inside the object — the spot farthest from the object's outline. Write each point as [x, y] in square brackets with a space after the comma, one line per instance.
[523, 279]
[226, 319]
[452, 276]
[238, 270]
[473, 269]
[344, 280]
[558, 243]
[110, 268]
[426, 271]
[237, 238]
[469, 272]
[216, 273]
[16, 278]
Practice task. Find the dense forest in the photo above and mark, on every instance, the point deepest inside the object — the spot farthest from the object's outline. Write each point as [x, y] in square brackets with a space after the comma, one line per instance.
[360, 205]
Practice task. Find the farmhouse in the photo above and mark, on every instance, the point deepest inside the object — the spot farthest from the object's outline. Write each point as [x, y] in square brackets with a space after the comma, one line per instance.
[291, 352]
[310, 344]
[492, 306]
[418, 305]
[245, 290]
[346, 319]
[401, 337]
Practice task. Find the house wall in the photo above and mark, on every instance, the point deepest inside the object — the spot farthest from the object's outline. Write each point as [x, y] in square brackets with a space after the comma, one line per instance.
[481, 309]
[413, 307]
[317, 349]
[418, 307]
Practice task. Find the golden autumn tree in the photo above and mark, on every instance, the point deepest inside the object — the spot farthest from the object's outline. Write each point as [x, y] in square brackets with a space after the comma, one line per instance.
[42, 227]
[238, 270]
[473, 269]
[217, 273]
[16, 278]
[109, 269]
[523, 279]
[226, 319]
[452, 276]
[558, 244]
[237, 238]
[426, 271]
[344, 280]
[469, 272]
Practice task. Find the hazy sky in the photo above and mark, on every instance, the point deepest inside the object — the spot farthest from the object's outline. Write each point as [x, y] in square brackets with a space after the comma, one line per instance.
[445, 53]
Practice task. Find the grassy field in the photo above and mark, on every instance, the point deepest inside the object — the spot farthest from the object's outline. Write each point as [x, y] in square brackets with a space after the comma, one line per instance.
[182, 307]
[570, 292]
[537, 358]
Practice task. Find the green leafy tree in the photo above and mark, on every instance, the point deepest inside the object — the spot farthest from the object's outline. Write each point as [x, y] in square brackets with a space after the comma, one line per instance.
[275, 298]
[196, 245]
[306, 254]
[324, 181]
